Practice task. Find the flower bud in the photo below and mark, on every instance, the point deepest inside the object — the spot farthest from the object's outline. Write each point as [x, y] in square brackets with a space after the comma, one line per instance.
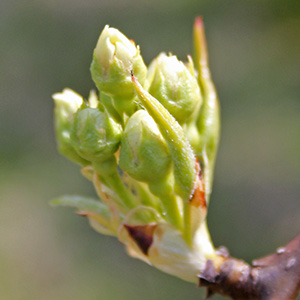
[143, 142]
[66, 105]
[95, 136]
[144, 153]
[115, 57]
[175, 87]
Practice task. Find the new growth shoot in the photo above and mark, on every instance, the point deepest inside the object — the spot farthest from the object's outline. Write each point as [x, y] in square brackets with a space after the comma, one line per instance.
[147, 140]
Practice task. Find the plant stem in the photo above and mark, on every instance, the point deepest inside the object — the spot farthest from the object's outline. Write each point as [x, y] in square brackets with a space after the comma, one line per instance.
[275, 277]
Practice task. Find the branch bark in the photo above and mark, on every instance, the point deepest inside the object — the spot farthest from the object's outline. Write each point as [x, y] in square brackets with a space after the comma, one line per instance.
[274, 277]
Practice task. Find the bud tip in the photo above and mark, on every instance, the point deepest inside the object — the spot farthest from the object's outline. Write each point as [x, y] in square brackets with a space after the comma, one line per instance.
[198, 22]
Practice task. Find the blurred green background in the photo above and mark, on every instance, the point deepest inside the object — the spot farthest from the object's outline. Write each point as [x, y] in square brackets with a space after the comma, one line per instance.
[254, 46]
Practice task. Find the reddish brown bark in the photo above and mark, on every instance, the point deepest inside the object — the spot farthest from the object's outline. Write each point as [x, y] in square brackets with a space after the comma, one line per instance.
[275, 277]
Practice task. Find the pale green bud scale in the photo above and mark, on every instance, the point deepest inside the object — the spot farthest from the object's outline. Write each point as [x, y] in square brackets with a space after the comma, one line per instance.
[97, 212]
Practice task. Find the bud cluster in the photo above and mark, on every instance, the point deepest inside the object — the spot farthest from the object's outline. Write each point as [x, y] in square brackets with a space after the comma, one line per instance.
[148, 142]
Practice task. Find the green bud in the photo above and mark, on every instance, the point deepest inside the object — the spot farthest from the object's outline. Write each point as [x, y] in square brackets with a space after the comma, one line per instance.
[66, 105]
[115, 56]
[95, 136]
[181, 152]
[175, 87]
[144, 153]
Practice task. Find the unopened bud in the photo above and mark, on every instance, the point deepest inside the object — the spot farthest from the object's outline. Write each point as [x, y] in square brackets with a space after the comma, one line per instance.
[95, 136]
[115, 57]
[144, 153]
[175, 87]
[66, 105]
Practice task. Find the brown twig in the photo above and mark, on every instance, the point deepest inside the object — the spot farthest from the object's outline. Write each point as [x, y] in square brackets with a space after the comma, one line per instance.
[275, 277]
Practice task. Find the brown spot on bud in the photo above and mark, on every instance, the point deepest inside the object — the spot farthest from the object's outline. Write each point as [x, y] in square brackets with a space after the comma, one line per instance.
[83, 213]
[198, 196]
[142, 235]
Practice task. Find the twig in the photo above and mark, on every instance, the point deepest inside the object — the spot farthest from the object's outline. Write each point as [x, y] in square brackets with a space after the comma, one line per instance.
[275, 277]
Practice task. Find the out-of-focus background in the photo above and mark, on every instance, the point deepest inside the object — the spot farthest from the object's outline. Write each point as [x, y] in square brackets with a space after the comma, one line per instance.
[254, 47]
